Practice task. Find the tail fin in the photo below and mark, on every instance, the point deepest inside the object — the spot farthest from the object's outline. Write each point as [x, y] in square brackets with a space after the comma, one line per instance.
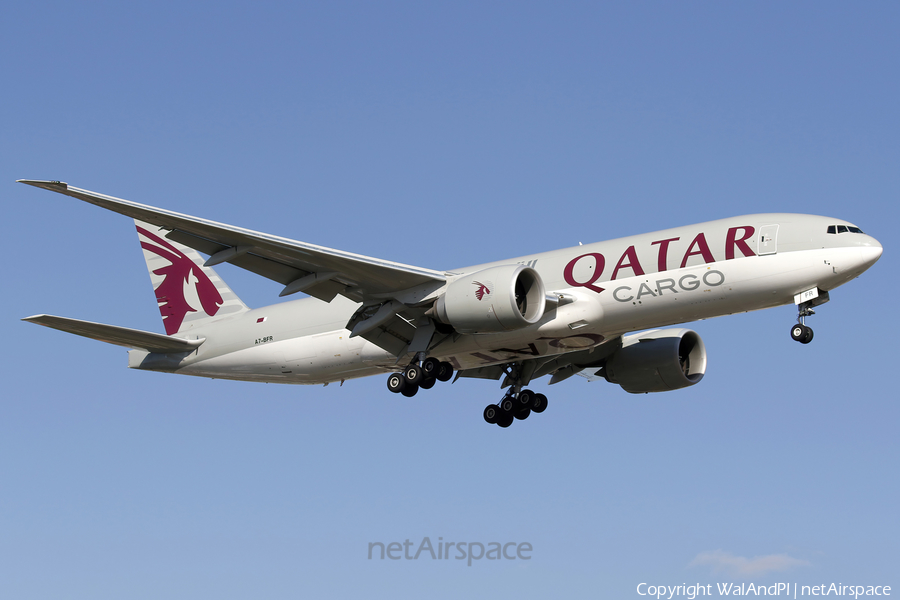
[188, 293]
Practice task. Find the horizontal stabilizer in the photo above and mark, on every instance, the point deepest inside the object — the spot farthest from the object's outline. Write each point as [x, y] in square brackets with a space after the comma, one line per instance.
[120, 336]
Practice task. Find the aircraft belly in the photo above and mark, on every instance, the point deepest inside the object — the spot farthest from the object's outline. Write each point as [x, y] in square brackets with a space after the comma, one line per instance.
[257, 363]
[333, 356]
[312, 359]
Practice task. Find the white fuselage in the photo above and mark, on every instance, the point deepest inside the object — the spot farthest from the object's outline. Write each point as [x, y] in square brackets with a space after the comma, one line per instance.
[610, 288]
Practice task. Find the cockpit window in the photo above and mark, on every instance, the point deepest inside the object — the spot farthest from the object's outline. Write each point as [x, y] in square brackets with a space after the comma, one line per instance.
[844, 229]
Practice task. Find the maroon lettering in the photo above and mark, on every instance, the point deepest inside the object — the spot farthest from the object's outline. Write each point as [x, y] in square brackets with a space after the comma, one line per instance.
[732, 241]
[632, 263]
[702, 249]
[663, 263]
[484, 357]
[599, 264]
[575, 341]
[531, 349]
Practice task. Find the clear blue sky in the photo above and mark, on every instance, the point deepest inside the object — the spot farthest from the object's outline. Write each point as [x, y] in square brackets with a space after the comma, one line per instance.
[441, 136]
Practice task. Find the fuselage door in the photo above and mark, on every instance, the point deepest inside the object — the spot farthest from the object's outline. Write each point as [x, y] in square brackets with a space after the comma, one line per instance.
[768, 239]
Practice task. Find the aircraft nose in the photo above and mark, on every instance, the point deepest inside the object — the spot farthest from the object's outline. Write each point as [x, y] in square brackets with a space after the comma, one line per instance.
[870, 252]
[873, 252]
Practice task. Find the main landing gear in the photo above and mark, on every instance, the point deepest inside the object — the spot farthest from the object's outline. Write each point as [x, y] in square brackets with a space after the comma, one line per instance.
[801, 332]
[515, 405]
[417, 376]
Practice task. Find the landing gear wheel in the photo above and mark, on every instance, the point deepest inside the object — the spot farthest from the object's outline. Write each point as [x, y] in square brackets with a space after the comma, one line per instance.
[396, 382]
[492, 413]
[505, 421]
[801, 333]
[413, 374]
[525, 399]
[445, 373]
[431, 366]
[409, 390]
[507, 405]
[808, 336]
[540, 403]
[427, 383]
[522, 413]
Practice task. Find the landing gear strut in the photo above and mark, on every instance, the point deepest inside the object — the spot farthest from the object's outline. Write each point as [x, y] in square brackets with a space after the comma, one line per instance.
[516, 403]
[801, 332]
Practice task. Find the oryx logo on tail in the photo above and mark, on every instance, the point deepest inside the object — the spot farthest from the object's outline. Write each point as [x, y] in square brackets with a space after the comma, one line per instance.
[184, 288]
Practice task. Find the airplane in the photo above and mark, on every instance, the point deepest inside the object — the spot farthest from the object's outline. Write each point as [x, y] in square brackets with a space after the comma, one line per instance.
[604, 310]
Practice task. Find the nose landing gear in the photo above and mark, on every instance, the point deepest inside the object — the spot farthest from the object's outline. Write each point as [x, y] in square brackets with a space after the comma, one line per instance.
[801, 332]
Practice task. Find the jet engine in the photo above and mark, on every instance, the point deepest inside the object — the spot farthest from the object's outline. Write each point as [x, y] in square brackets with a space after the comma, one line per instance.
[657, 361]
[493, 300]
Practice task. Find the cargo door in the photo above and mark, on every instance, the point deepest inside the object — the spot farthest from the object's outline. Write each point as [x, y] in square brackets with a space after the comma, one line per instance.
[768, 240]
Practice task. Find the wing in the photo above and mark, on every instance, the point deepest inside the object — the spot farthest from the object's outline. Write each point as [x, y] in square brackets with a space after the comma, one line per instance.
[120, 336]
[318, 271]
[586, 363]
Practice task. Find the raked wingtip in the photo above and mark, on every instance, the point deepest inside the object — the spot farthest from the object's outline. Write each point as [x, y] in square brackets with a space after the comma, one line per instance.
[44, 184]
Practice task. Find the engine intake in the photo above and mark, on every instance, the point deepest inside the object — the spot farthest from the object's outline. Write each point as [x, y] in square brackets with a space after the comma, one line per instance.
[493, 300]
[658, 361]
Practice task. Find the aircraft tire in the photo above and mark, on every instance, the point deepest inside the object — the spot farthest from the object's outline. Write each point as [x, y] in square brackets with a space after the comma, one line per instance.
[540, 403]
[409, 390]
[507, 405]
[505, 421]
[807, 335]
[427, 383]
[396, 382]
[491, 413]
[445, 373]
[797, 332]
[525, 399]
[522, 413]
[413, 374]
[431, 367]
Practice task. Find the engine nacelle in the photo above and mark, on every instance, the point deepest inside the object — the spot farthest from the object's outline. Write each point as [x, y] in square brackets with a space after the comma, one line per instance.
[498, 299]
[657, 361]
